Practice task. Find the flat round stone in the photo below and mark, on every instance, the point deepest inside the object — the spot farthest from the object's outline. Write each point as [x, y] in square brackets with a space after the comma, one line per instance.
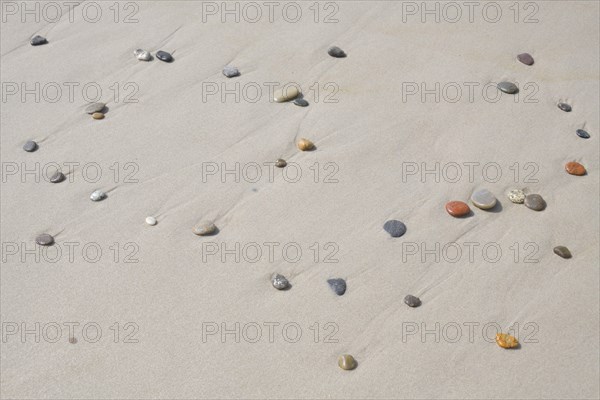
[38, 40]
[164, 56]
[525, 58]
[508, 87]
[336, 52]
[574, 168]
[286, 94]
[30, 146]
[483, 199]
[44, 239]
[565, 107]
[412, 301]
[562, 251]
[95, 108]
[582, 134]
[535, 202]
[457, 208]
[305, 145]
[230, 71]
[142, 55]
[280, 163]
[337, 285]
[517, 196]
[280, 282]
[301, 102]
[394, 228]
[151, 221]
[205, 228]
[98, 195]
[57, 177]
[506, 341]
[347, 362]
[97, 115]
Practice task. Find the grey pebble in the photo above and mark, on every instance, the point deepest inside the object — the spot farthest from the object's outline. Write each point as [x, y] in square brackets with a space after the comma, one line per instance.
[98, 195]
[565, 107]
[30, 146]
[300, 102]
[142, 55]
[336, 52]
[280, 282]
[535, 202]
[280, 163]
[412, 301]
[508, 87]
[57, 177]
[94, 108]
[230, 71]
[44, 239]
[394, 228]
[164, 56]
[38, 40]
[562, 251]
[338, 285]
[483, 199]
[205, 228]
[582, 134]
[525, 58]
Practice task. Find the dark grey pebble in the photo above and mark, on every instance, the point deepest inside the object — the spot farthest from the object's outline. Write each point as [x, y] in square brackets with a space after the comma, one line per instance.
[582, 134]
[525, 58]
[412, 301]
[38, 40]
[164, 56]
[336, 52]
[565, 107]
[535, 202]
[394, 228]
[562, 251]
[30, 146]
[300, 102]
[44, 239]
[508, 87]
[57, 177]
[337, 285]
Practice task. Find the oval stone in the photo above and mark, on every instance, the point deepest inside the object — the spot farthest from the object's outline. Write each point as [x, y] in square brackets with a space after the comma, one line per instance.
[347, 362]
[412, 301]
[230, 71]
[582, 134]
[562, 251]
[301, 102]
[506, 341]
[151, 221]
[337, 285]
[164, 56]
[305, 145]
[205, 228]
[508, 87]
[517, 196]
[44, 239]
[286, 94]
[280, 282]
[38, 40]
[565, 107]
[535, 202]
[95, 108]
[457, 208]
[97, 115]
[98, 195]
[483, 199]
[525, 58]
[30, 146]
[574, 168]
[394, 228]
[280, 163]
[336, 52]
[57, 177]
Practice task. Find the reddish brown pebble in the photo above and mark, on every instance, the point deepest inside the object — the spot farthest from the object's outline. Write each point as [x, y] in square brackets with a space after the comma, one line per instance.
[457, 208]
[574, 168]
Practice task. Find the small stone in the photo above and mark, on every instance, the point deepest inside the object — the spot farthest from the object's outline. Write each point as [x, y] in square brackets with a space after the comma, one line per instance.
[535, 202]
[582, 134]
[517, 196]
[457, 208]
[305, 145]
[205, 228]
[336, 52]
[30, 146]
[38, 40]
[525, 58]
[286, 94]
[72, 340]
[98, 195]
[95, 108]
[565, 107]
[483, 199]
[337, 285]
[508, 87]
[394, 228]
[574, 168]
[301, 102]
[280, 163]
[142, 55]
[151, 221]
[57, 177]
[562, 251]
[347, 362]
[506, 341]
[412, 301]
[164, 56]
[44, 239]
[280, 282]
[230, 71]
[97, 115]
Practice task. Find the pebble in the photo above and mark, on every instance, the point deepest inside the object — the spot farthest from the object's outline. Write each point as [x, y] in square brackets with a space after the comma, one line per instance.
[582, 134]
[506, 341]
[347, 362]
[280, 282]
[508, 87]
[574, 168]
[44, 239]
[30, 146]
[301, 102]
[525, 58]
[57, 177]
[164, 56]
[205, 228]
[230, 71]
[98, 195]
[286, 94]
[394, 228]
[151, 221]
[38, 40]
[412, 301]
[336, 52]
[483, 199]
[305, 145]
[280, 163]
[97, 115]
[457, 208]
[95, 108]
[337, 285]
[142, 55]
[565, 107]
[517, 196]
[562, 251]
[535, 202]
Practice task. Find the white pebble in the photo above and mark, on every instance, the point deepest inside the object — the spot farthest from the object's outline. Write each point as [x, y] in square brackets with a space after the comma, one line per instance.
[151, 221]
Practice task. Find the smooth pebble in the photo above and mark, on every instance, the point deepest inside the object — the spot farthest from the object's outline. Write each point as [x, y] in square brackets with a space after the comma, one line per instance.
[205, 228]
[164, 56]
[95, 108]
[337, 285]
[525, 58]
[230, 71]
[565, 107]
[562, 251]
[517, 196]
[508, 87]
[44, 239]
[535, 202]
[280, 282]
[347, 362]
[286, 94]
[574, 168]
[57, 177]
[582, 134]
[151, 221]
[394, 228]
[301, 102]
[98, 195]
[336, 52]
[30, 146]
[280, 163]
[305, 144]
[38, 40]
[97, 115]
[483, 199]
[457, 208]
[412, 301]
